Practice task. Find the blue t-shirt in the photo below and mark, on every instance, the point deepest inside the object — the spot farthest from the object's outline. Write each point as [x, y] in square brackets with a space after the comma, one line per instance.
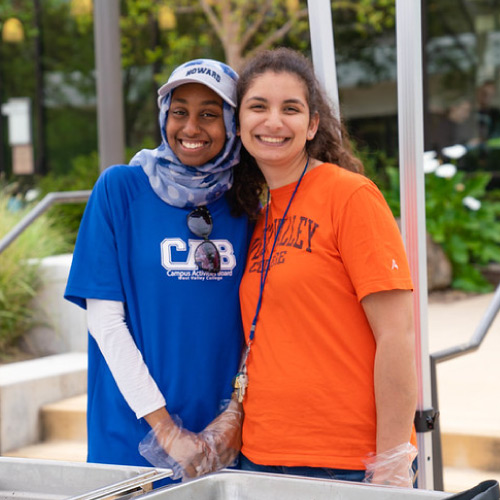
[134, 248]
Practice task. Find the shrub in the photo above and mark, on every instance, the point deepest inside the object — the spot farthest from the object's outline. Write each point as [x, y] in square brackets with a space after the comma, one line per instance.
[19, 279]
[80, 177]
[460, 216]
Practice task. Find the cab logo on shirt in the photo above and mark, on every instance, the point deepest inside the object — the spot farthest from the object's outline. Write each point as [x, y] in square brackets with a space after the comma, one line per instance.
[177, 258]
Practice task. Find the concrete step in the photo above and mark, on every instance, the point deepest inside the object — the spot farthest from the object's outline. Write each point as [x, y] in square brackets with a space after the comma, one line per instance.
[26, 386]
[65, 420]
[458, 479]
[471, 451]
[469, 459]
[65, 450]
[64, 432]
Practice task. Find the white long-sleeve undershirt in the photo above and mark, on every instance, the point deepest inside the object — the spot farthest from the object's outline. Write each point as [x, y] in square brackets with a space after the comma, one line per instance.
[106, 324]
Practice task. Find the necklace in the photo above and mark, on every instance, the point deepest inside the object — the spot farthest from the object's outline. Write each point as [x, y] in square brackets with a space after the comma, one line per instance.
[240, 382]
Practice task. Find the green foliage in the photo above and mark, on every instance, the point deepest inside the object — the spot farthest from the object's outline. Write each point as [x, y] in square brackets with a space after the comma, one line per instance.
[67, 62]
[19, 279]
[70, 133]
[17, 76]
[369, 17]
[470, 237]
[81, 176]
[149, 52]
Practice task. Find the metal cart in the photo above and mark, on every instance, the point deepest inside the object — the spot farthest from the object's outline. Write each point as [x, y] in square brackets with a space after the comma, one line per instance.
[29, 479]
[237, 485]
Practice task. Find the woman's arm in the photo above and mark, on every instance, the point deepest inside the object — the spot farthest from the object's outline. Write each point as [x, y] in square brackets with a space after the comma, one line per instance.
[106, 323]
[390, 315]
[167, 444]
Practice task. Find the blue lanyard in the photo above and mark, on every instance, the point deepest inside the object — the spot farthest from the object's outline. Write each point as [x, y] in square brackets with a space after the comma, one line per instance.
[267, 264]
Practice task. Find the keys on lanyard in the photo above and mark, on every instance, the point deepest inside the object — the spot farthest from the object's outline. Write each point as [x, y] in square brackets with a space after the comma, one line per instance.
[240, 384]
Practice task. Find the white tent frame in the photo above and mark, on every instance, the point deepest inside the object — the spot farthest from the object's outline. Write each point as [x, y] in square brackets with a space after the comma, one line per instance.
[410, 115]
[410, 119]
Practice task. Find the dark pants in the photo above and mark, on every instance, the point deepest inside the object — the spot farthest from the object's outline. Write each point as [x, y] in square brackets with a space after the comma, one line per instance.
[318, 472]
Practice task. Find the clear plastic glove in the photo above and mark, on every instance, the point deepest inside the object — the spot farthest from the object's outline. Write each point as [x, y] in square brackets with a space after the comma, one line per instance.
[223, 435]
[171, 446]
[393, 467]
[192, 455]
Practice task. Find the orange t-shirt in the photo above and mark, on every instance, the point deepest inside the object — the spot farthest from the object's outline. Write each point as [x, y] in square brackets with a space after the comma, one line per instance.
[310, 399]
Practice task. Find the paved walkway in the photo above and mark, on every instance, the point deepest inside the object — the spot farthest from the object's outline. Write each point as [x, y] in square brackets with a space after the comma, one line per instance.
[468, 386]
[468, 391]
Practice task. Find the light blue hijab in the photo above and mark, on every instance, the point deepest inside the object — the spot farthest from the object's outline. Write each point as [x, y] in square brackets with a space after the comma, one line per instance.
[181, 185]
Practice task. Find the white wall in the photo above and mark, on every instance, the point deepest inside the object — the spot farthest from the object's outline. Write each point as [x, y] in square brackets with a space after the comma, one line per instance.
[61, 324]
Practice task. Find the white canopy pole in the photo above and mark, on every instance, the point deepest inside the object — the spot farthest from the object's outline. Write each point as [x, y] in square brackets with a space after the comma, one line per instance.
[323, 48]
[410, 115]
[412, 188]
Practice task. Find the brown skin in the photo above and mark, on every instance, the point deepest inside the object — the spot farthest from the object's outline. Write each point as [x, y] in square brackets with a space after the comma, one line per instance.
[195, 126]
[196, 133]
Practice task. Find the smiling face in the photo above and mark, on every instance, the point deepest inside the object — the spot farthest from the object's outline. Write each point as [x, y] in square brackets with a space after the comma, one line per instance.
[275, 124]
[195, 124]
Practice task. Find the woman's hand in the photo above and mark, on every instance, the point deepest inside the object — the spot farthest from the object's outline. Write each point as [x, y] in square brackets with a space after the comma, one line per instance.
[190, 454]
[223, 434]
[169, 445]
[188, 449]
[393, 467]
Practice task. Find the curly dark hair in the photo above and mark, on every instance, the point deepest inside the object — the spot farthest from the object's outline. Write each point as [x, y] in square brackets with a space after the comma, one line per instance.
[331, 143]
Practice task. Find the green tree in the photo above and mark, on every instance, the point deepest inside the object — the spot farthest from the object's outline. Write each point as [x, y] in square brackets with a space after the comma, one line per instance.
[16, 75]
[67, 60]
[156, 36]
[243, 27]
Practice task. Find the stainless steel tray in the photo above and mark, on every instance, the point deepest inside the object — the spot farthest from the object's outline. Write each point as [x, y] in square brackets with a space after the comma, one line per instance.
[30, 479]
[237, 485]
